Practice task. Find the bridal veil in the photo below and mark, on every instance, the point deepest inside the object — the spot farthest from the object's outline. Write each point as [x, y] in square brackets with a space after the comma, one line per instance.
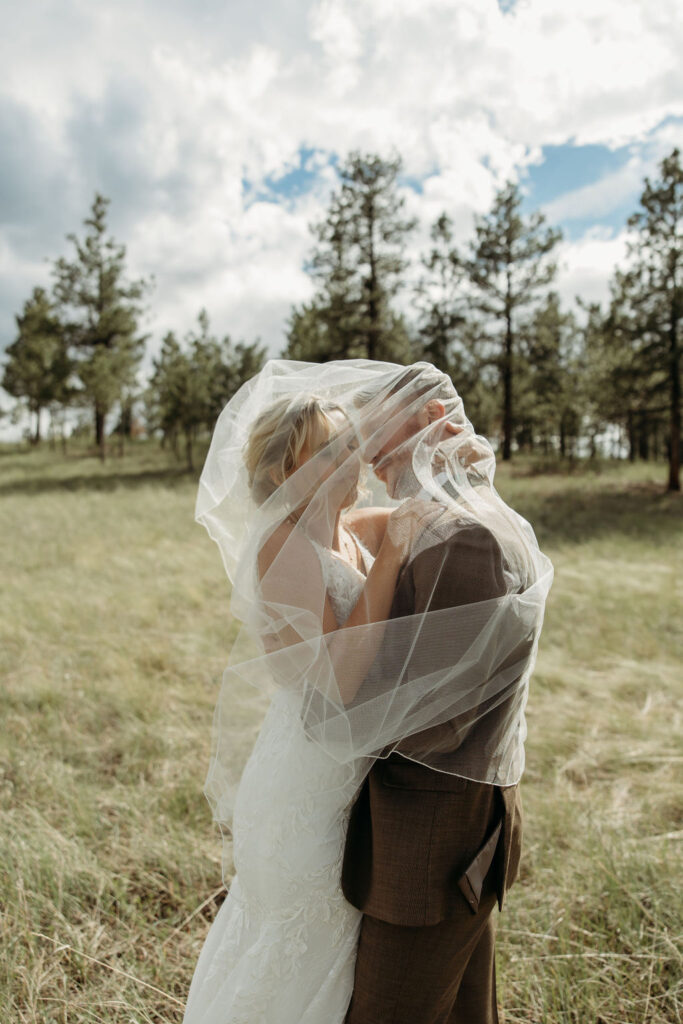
[445, 684]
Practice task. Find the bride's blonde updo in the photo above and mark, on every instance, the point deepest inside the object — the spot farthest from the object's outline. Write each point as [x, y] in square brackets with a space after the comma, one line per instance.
[277, 439]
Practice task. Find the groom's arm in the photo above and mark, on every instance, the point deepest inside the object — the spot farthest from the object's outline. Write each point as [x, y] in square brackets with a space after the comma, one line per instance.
[464, 569]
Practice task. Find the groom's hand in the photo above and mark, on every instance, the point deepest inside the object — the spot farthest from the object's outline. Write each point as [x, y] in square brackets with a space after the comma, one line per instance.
[469, 448]
[408, 521]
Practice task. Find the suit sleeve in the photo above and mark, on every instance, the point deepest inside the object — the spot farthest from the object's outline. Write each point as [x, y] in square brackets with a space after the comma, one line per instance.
[464, 569]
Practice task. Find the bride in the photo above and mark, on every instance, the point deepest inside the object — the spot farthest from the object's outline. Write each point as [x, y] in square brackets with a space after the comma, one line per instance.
[282, 947]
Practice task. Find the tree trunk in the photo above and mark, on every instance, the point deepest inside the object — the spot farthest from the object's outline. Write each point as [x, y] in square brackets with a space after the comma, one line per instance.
[100, 439]
[372, 332]
[373, 312]
[675, 440]
[507, 390]
[36, 436]
[127, 419]
[631, 437]
[188, 450]
[643, 437]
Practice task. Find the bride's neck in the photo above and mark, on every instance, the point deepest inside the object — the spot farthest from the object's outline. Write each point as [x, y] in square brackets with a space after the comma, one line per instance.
[336, 533]
[318, 532]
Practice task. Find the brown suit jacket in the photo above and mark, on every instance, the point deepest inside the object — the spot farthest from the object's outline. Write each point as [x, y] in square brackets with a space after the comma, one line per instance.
[420, 842]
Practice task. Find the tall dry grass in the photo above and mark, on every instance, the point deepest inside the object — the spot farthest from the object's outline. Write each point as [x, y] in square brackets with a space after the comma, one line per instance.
[114, 629]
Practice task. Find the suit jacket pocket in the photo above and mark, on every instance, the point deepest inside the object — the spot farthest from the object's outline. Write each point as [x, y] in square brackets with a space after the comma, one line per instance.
[471, 881]
[399, 773]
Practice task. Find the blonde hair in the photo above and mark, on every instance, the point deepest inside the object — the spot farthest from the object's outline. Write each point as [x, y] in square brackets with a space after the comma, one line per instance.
[277, 438]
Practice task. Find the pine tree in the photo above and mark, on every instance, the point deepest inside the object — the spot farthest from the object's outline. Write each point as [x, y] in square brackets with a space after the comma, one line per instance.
[600, 380]
[309, 337]
[647, 307]
[509, 266]
[357, 265]
[38, 367]
[555, 402]
[191, 384]
[441, 300]
[165, 393]
[101, 312]
[447, 334]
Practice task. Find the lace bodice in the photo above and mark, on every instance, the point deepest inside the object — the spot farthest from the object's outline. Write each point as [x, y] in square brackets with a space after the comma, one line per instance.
[343, 581]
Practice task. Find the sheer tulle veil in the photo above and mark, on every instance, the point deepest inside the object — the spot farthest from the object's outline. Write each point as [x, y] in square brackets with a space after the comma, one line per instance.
[365, 691]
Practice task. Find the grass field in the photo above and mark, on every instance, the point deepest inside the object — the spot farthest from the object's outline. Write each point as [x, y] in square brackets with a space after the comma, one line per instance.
[114, 630]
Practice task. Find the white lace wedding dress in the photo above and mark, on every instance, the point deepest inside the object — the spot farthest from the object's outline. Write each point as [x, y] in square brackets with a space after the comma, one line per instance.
[282, 948]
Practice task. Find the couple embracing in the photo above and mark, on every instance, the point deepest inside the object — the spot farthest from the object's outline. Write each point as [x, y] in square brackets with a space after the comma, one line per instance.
[391, 604]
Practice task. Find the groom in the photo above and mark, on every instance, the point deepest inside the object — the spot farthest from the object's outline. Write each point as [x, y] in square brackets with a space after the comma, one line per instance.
[429, 854]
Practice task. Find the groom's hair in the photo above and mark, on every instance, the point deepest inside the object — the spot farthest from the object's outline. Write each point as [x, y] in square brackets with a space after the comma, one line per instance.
[413, 381]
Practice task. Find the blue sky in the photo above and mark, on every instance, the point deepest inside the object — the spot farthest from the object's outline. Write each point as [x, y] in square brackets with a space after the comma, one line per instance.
[294, 182]
[215, 129]
[569, 167]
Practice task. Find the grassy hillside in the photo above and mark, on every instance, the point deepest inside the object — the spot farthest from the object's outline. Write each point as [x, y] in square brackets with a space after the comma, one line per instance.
[114, 629]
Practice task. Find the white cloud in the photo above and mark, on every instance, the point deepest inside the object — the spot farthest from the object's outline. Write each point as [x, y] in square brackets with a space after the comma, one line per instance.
[333, 26]
[586, 266]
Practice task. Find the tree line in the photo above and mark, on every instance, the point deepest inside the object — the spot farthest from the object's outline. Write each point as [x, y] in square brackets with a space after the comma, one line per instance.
[81, 347]
[535, 376]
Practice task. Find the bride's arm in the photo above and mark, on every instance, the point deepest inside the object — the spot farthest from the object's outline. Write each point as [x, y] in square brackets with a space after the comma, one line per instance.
[291, 579]
[375, 599]
[353, 654]
[369, 525]
[291, 576]
[292, 585]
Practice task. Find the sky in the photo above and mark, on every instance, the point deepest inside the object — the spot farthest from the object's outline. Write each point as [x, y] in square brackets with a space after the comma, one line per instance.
[215, 127]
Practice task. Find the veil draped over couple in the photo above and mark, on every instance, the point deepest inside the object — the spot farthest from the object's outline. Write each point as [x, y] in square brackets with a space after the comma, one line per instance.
[391, 604]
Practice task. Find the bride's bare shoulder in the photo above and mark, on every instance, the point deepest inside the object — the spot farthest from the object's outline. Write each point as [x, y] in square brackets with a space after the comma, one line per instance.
[273, 544]
[369, 525]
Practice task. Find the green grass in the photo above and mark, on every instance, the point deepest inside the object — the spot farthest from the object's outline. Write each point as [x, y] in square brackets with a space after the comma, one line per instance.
[114, 630]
